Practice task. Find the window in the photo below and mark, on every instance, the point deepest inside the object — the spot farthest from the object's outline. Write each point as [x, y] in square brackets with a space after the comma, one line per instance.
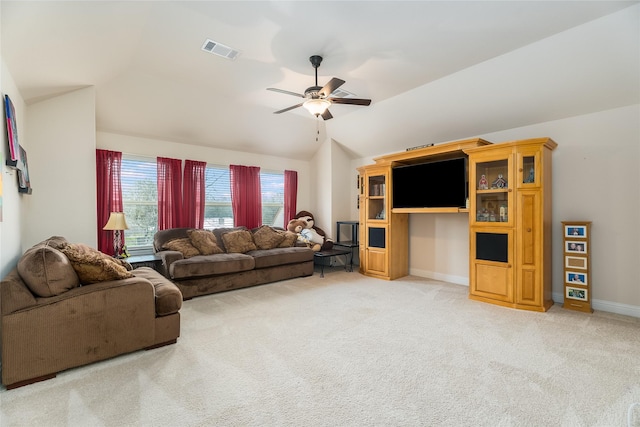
[217, 207]
[140, 202]
[218, 212]
[272, 186]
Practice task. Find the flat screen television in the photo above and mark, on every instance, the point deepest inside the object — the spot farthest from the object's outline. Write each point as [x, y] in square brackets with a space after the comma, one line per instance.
[439, 184]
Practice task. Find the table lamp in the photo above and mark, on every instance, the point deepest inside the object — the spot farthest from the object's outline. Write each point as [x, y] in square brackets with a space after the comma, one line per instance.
[117, 223]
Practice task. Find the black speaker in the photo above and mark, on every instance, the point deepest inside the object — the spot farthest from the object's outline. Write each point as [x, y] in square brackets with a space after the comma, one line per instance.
[492, 247]
[377, 237]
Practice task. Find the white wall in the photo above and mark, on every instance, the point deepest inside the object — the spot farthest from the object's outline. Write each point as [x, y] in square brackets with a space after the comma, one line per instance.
[439, 247]
[321, 202]
[333, 181]
[12, 201]
[62, 163]
[343, 182]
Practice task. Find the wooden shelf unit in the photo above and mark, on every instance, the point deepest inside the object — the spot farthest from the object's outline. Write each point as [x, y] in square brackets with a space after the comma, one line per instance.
[384, 232]
[510, 224]
[509, 219]
[577, 265]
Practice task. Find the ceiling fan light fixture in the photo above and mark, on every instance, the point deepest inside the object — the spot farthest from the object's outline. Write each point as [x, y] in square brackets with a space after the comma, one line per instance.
[317, 106]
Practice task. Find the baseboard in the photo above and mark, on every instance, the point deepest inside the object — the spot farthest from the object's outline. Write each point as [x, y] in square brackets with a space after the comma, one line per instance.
[608, 306]
[458, 280]
[558, 298]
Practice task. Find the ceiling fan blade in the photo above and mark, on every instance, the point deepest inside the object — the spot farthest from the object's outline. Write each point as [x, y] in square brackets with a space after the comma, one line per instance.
[285, 92]
[287, 109]
[333, 84]
[353, 101]
[326, 115]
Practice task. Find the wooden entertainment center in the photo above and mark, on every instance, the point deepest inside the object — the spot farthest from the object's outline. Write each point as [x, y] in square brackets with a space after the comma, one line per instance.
[509, 218]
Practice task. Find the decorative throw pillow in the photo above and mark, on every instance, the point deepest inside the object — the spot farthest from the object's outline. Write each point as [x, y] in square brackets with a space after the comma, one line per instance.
[92, 266]
[204, 241]
[46, 271]
[239, 241]
[266, 237]
[289, 239]
[183, 246]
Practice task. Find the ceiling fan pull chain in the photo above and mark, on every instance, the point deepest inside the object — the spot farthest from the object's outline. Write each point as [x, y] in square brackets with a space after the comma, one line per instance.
[317, 127]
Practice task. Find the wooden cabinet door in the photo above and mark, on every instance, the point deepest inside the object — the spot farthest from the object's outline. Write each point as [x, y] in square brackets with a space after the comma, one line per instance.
[377, 261]
[528, 167]
[491, 269]
[362, 232]
[529, 250]
[491, 204]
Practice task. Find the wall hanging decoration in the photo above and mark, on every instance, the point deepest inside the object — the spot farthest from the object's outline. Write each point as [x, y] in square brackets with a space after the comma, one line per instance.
[24, 184]
[0, 188]
[12, 133]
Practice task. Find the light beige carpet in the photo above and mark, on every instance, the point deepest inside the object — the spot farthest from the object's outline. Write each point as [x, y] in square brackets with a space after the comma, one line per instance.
[348, 350]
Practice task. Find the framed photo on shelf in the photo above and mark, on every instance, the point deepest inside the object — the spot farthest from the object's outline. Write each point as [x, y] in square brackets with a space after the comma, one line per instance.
[576, 278]
[579, 231]
[576, 293]
[576, 247]
[575, 262]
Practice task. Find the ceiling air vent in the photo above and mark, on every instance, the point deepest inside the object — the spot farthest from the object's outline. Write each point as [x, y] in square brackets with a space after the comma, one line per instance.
[341, 93]
[220, 49]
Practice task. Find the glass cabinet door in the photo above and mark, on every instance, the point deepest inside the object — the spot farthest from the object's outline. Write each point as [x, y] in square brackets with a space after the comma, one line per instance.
[376, 197]
[493, 192]
[528, 168]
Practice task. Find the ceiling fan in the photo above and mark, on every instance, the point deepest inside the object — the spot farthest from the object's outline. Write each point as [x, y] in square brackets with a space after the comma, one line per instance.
[318, 99]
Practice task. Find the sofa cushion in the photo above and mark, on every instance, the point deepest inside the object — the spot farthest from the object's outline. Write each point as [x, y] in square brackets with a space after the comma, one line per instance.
[163, 236]
[210, 265]
[183, 246]
[168, 296]
[290, 239]
[92, 266]
[239, 241]
[281, 256]
[46, 271]
[205, 241]
[218, 232]
[266, 237]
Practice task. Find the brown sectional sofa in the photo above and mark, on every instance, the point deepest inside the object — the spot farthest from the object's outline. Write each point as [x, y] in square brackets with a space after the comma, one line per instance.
[51, 321]
[231, 267]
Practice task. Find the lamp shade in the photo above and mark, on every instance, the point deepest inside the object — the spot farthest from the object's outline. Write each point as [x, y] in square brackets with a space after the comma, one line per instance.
[116, 221]
[317, 106]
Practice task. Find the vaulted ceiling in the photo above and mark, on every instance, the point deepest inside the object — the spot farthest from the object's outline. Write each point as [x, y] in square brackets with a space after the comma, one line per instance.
[152, 79]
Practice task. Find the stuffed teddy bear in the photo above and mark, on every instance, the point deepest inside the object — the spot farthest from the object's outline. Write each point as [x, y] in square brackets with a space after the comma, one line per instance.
[318, 235]
[305, 235]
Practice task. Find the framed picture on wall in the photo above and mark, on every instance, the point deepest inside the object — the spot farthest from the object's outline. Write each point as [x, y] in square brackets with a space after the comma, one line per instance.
[577, 231]
[576, 278]
[12, 132]
[576, 293]
[24, 183]
[577, 247]
[575, 262]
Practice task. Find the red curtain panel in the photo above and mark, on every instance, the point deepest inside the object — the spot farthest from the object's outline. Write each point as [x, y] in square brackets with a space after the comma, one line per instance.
[169, 193]
[246, 196]
[193, 194]
[109, 190]
[290, 195]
